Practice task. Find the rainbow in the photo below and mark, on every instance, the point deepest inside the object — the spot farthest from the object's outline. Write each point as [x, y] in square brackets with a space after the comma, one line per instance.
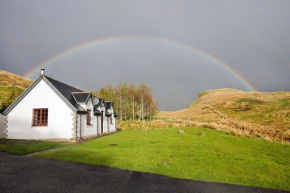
[163, 40]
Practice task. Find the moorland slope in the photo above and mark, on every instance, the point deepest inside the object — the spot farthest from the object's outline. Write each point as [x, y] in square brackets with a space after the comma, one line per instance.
[11, 86]
[254, 114]
[8, 79]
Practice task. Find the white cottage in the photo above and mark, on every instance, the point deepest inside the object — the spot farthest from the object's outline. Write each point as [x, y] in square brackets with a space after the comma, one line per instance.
[50, 109]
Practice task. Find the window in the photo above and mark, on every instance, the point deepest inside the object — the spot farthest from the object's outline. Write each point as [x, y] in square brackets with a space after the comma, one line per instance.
[89, 118]
[40, 117]
[111, 120]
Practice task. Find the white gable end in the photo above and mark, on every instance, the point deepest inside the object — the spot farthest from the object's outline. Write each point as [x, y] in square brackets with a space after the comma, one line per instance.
[60, 116]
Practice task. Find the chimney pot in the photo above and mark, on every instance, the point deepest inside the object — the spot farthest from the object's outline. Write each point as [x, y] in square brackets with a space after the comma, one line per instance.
[42, 72]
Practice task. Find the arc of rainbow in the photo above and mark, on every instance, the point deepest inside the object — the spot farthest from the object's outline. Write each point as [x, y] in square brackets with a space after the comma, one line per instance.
[115, 39]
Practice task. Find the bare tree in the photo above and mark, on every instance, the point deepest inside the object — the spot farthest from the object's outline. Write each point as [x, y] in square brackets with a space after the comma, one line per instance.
[132, 101]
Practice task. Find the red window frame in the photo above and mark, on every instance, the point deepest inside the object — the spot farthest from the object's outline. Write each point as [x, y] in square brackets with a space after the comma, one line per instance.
[40, 117]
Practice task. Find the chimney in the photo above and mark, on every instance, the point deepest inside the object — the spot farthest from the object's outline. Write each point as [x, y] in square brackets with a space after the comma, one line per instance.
[41, 72]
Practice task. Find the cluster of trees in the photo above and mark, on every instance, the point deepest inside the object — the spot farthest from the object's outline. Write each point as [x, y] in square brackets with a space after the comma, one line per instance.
[131, 102]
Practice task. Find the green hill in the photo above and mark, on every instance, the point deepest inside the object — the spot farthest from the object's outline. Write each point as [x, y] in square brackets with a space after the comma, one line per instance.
[11, 86]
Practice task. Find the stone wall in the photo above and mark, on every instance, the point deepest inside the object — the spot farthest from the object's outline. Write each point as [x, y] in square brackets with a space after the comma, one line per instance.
[1, 126]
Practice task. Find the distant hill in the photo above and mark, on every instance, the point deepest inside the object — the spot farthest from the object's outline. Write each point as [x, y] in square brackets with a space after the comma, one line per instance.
[257, 114]
[8, 79]
[11, 86]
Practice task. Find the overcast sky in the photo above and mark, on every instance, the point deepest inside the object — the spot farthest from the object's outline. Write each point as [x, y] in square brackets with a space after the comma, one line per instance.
[250, 36]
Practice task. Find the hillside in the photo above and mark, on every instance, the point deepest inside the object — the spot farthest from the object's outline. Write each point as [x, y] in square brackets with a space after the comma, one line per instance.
[8, 79]
[254, 114]
[11, 86]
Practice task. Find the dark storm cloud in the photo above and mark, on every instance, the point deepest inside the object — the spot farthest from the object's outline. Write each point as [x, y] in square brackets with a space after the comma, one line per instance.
[250, 36]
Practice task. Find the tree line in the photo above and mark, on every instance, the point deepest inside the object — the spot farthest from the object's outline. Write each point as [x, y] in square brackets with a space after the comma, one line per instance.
[131, 102]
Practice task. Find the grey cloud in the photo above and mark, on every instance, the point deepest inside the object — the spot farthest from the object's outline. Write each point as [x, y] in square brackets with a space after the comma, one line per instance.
[34, 31]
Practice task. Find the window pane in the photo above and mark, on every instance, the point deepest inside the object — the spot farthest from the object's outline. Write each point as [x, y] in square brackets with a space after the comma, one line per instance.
[40, 116]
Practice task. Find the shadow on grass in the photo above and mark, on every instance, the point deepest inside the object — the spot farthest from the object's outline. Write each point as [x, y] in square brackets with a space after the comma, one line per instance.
[24, 147]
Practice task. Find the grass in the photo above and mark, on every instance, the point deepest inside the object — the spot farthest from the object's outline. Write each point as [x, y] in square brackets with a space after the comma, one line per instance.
[5, 96]
[214, 156]
[24, 147]
[258, 110]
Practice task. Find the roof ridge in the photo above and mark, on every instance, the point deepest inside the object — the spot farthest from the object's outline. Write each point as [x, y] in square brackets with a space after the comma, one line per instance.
[81, 92]
[63, 83]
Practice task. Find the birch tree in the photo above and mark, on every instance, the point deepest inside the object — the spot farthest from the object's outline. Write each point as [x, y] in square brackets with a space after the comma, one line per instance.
[131, 102]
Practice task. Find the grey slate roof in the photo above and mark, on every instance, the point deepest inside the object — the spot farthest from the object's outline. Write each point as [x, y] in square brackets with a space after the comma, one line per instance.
[70, 95]
[108, 105]
[65, 90]
[101, 102]
[81, 97]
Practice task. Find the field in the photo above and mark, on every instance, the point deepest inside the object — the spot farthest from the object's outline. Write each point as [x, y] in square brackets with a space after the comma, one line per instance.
[24, 147]
[199, 153]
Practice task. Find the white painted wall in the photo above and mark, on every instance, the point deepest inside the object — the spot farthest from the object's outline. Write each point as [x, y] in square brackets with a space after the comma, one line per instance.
[83, 123]
[99, 124]
[87, 130]
[105, 124]
[90, 129]
[96, 126]
[60, 116]
[113, 124]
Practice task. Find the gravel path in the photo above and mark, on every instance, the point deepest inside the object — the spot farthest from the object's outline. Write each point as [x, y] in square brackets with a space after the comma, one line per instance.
[30, 174]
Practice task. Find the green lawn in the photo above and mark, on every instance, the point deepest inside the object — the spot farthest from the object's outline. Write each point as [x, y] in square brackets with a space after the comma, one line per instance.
[214, 156]
[24, 147]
